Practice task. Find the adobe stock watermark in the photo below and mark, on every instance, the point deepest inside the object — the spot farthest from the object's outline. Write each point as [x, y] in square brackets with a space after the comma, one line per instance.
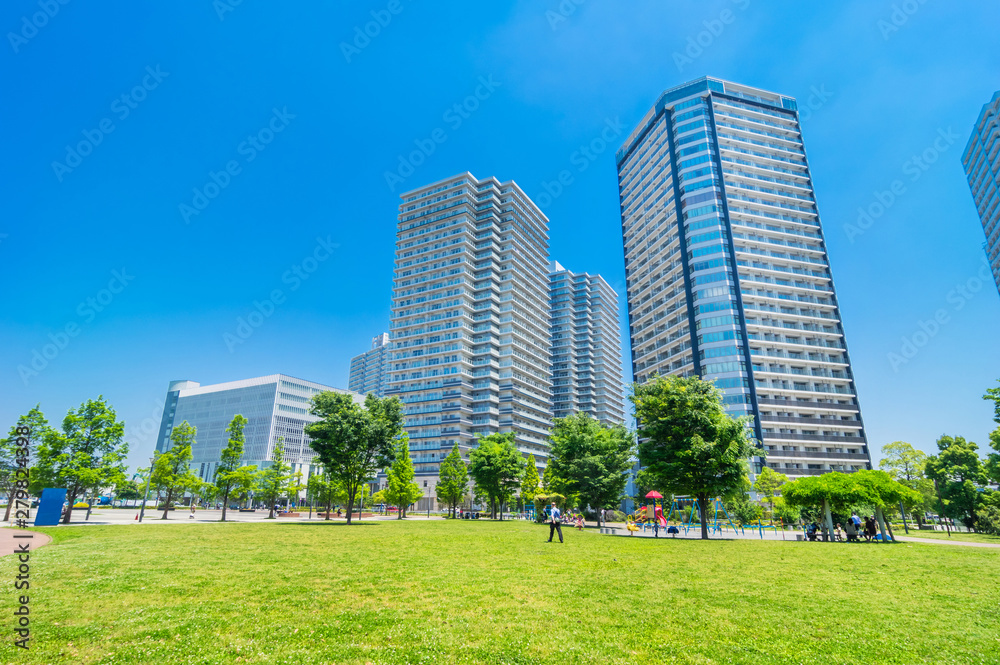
[149, 427]
[293, 277]
[958, 297]
[223, 7]
[581, 158]
[249, 148]
[914, 168]
[815, 101]
[30, 25]
[87, 311]
[898, 17]
[699, 42]
[562, 12]
[122, 108]
[363, 35]
[454, 116]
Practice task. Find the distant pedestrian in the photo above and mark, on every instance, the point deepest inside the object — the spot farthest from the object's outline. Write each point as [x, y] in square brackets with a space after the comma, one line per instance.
[851, 531]
[839, 536]
[554, 523]
[192, 512]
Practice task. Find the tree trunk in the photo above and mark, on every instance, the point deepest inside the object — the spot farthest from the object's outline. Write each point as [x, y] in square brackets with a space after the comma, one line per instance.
[828, 518]
[70, 500]
[225, 503]
[881, 523]
[270, 510]
[329, 507]
[350, 502]
[10, 502]
[702, 513]
[166, 506]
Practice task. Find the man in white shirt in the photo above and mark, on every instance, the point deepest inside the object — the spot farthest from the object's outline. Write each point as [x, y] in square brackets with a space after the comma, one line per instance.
[554, 523]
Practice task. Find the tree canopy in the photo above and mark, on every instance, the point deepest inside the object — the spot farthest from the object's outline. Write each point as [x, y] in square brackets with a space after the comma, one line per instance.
[230, 477]
[958, 474]
[591, 459]
[35, 422]
[401, 491]
[87, 454]
[172, 468]
[352, 441]
[453, 480]
[688, 443]
[274, 477]
[496, 467]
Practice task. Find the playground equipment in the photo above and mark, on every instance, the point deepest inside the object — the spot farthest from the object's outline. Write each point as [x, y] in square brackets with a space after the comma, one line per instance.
[715, 526]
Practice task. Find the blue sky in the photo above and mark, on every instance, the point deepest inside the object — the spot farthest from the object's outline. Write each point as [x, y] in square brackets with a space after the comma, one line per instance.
[278, 137]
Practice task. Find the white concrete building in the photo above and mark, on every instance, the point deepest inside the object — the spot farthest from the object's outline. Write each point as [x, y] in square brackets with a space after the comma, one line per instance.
[586, 346]
[370, 370]
[470, 322]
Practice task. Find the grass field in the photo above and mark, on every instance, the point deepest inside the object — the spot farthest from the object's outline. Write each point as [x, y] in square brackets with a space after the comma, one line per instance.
[485, 592]
[941, 535]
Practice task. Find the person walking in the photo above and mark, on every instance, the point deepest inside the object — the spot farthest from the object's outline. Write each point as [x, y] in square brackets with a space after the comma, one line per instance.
[554, 523]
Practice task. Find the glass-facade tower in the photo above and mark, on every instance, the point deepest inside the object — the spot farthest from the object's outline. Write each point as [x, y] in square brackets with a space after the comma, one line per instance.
[981, 161]
[727, 273]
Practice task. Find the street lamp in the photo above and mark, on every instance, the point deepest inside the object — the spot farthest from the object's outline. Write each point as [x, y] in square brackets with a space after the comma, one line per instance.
[428, 499]
[145, 497]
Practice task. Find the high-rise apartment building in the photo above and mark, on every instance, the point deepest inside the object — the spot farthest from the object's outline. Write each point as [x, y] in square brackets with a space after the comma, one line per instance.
[586, 346]
[727, 270]
[370, 370]
[470, 322]
[274, 406]
[981, 160]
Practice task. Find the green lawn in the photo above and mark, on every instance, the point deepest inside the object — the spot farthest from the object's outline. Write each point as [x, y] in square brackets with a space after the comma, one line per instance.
[941, 535]
[485, 592]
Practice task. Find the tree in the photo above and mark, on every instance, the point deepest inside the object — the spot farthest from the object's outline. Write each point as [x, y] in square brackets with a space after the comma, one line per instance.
[842, 492]
[906, 464]
[229, 475]
[496, 467]
[274, 477]
[768, 482]
[354, 442]
[401, 490]
[688, 442]
[171, 469]
[293, 487]
[322, 489]
[453, 480]
[88, 454]
[992, 467]
[531, 483]
[591, 459]
[35, 422]
[128, 490]
[207, 493]
[958, 474]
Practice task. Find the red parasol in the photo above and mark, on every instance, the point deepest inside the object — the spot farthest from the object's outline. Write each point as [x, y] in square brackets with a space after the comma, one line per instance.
[654, 495]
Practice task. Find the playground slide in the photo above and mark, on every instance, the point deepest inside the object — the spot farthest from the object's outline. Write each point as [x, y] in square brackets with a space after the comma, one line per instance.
[662, 520]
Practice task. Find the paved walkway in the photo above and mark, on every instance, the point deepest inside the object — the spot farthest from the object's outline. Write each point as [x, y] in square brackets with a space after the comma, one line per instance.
[9, 544]
[935, 541]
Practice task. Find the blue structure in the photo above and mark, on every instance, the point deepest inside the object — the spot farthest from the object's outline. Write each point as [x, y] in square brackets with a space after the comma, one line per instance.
[50, 507]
